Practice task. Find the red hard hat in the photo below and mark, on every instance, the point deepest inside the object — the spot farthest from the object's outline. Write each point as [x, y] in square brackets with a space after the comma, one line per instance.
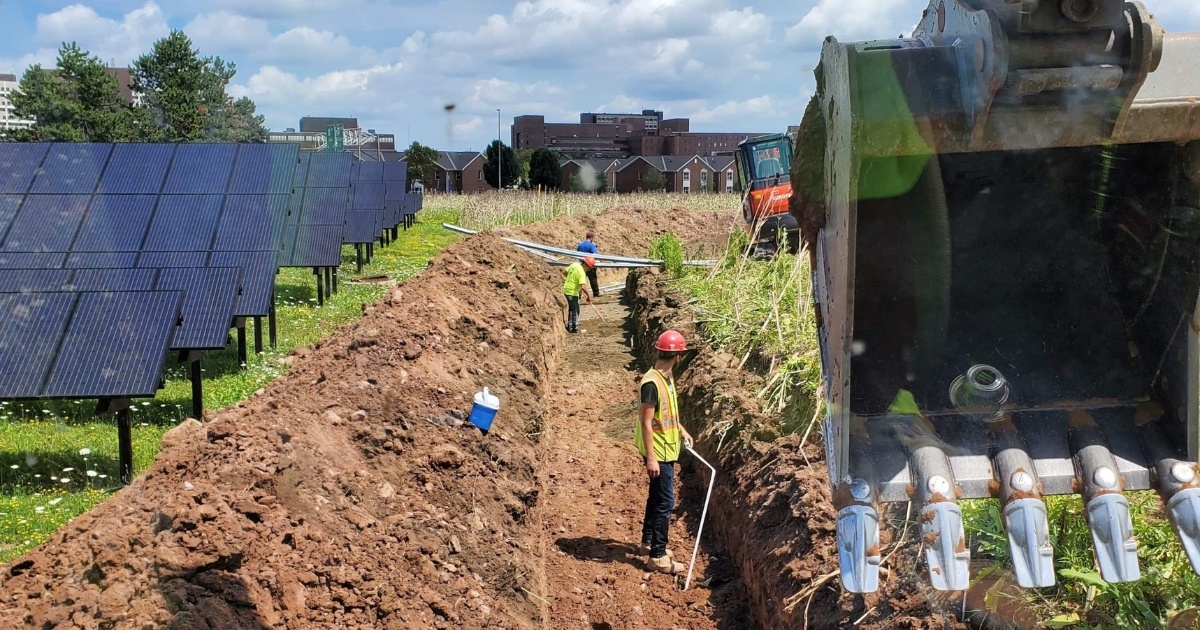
[589, 261]
[670, 341]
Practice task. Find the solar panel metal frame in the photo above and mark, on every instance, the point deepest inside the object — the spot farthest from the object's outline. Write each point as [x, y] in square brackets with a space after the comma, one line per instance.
[35, 280]
[94, 358]
[33, 260]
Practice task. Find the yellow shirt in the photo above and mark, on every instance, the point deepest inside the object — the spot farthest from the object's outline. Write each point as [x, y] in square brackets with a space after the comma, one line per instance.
[668, 439]
[575, 279]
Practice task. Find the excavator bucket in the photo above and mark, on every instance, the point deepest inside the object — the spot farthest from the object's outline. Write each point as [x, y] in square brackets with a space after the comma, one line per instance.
[1007, 261]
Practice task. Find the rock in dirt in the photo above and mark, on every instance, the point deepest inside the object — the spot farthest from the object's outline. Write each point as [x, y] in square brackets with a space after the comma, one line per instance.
[446, 456]
[186, 430]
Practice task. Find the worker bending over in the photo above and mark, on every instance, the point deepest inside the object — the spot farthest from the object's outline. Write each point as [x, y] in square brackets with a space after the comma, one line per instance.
[588, 246]
[573, 286]
[658, 418]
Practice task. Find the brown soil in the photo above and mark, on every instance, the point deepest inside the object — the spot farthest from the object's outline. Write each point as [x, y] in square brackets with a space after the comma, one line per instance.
[777, 518]
[350, 494]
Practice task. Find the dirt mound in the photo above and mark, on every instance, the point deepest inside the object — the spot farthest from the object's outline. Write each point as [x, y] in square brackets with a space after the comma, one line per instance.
[350, 493]
[629, 230]
[773, 506]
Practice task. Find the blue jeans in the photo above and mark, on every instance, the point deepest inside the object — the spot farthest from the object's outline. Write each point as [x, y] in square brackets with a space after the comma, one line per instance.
[572, 313]
[659, 504]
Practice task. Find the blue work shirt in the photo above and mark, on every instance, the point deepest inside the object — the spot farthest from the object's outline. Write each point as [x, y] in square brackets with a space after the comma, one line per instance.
[588, 247]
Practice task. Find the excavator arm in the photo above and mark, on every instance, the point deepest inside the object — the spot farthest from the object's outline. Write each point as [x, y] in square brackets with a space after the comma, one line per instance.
[995, 188]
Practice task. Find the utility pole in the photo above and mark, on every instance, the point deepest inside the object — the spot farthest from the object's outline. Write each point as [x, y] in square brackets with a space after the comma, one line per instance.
[499, 154]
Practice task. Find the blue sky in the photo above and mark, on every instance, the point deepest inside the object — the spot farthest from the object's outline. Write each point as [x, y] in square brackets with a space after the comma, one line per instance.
[729, 65]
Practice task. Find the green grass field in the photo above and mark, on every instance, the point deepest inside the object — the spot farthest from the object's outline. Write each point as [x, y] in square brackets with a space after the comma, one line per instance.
[58, 458]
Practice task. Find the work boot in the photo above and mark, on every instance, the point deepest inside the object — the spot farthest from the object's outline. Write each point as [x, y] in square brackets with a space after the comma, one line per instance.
[666, 565]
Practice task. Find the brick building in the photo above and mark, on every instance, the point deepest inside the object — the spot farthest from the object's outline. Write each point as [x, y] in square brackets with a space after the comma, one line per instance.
[573, 167]
[598, 136]
[685, 174]
[460, 172]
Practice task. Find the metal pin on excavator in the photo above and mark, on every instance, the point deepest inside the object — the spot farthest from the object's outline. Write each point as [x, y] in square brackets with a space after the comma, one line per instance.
[1004, 217]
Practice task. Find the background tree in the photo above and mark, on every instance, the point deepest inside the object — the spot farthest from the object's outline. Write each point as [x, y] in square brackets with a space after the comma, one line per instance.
[421, 162]
[498, 151]
[78, 101]
[186, 94]
[654, 180]
[522, 157]
[544, 169]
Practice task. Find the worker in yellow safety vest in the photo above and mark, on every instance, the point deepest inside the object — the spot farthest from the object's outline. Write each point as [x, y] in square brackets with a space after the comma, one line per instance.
[660, 428]
[573, 286]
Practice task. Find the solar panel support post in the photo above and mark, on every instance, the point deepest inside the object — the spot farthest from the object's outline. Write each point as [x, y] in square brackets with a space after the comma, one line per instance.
[358, 256]
[334, 278]
[329, 282]
[320, 287]
[240, 324]
[271, 321]
[258, 336]
[197, 387]
[125, 444]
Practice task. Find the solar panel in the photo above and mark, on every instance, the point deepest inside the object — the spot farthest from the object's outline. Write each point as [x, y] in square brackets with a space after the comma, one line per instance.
[324, 206]
[184, 223]
[300, 176]
[9, 206]
[209, 295]
[251, 223]
[395, 171]
[46, 223]
[137, 169]
[329, 170]
[31, 326]
[361, 227]
[115, 345]
[31, 260]
[116, 223]
[101, 260]
[264, 168]
[392, 213]
[26, 280]
[258, 279]
[316, 246]
[173, 259]
[370, 171]
[72, 168]
[394, 191]
[19, 161]
[367, 195]
[114, 279]
[201, 168]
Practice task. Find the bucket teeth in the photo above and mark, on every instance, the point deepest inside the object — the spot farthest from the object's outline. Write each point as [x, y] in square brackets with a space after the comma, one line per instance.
[945, 546]
[1029, 541]
[1184, 511]
[1112, 534]
[858, 548]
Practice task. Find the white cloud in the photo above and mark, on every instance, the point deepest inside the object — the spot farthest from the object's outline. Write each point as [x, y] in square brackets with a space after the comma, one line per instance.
[111, 40]
[750, 108]
[227, 32]
[851, 20]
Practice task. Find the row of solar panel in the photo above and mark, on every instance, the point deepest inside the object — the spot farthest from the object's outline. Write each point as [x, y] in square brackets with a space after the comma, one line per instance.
[85, 344]
[209, 294]
[135, 168]
[258, 269]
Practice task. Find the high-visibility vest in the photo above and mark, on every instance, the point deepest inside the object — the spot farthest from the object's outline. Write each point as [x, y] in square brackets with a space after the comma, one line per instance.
[667, 437]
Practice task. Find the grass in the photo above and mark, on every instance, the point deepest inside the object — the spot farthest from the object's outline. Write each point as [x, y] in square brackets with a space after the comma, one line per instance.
[487, 210]
[761, 311]
[41, 443]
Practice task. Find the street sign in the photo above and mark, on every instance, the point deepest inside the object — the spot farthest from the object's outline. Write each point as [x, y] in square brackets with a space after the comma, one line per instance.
[335, 138]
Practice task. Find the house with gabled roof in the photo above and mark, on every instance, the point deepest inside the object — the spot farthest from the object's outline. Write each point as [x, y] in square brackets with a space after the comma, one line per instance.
[685, 174]
[571, 168]
[459, 172]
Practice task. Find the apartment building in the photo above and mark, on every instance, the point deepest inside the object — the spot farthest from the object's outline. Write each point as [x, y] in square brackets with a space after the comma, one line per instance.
[604, 136]
[8, 119]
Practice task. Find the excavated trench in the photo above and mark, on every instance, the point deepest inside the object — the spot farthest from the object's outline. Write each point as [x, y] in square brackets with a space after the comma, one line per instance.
[351, 493]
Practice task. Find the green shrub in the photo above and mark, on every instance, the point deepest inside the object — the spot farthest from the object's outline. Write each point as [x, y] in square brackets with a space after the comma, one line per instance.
[668, 249]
